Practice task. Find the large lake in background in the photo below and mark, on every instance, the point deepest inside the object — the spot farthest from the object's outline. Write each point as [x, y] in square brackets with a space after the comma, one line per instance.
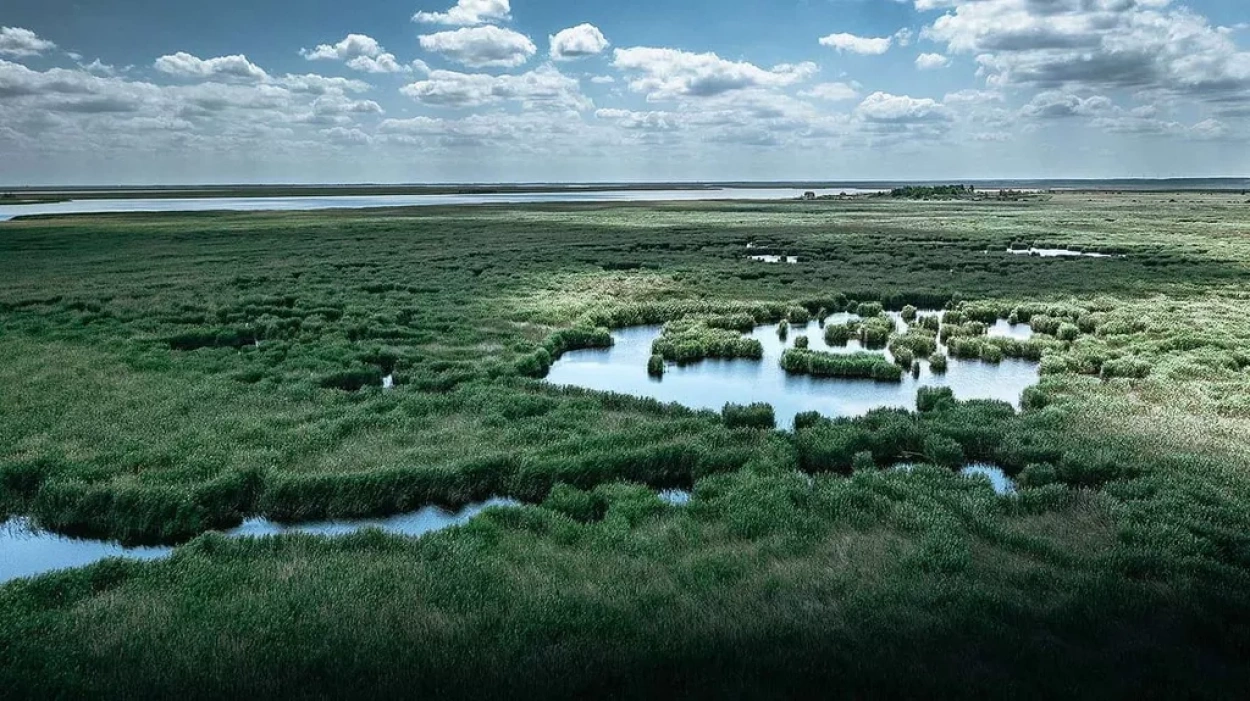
[253, 204]
[710, 384]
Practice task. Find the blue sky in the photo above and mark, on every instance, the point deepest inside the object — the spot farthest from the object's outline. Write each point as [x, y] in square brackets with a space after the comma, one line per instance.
[148, 91]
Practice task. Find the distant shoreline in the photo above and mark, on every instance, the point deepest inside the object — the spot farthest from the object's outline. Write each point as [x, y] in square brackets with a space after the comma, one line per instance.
[45, 194]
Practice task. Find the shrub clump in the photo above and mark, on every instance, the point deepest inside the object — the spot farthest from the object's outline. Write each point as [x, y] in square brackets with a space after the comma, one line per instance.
[931, 398]
[691, 340]
[841, 334]
[904, 358]
[798, 315]
[655, 366]
[759, 415]
[1131, 367]
[1034, 398]
[869, 309]
[741, 322]
[991, 353]
[875, 332]
[578, 338]
[801, 342]
[807, 419]
[1048, 325]
[918, 341]
[577, 504]
[867, 366]
[938, 363]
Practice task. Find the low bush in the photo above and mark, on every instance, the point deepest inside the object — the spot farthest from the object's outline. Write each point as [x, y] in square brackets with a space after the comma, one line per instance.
[798, 315]
[1045, 324]
[841, 334]
[938, 363]
[933, 398]
[807, 419]
[1034, 398]
[943, 451]
[1130, 367]
[853, 366]
[904, 358]
[655, 366]
[758, 416]
[579, 505]
[578, 338]
[875, 332]
[920, 342]
[869, 309]
[688, 341]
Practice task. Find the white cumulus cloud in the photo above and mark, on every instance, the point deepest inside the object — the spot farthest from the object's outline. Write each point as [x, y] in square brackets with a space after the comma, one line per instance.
[668, 73]
[544, 87]
[868, 46]
[884, 107]
[577, 42]
[832, 92]
[1139, 45]
[237, 67]
[361, 53]
[15, 41]
[929, 62]
[468, 13]
[481, 47]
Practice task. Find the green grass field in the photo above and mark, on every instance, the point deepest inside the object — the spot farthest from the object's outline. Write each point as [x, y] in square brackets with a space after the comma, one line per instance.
[168, 374]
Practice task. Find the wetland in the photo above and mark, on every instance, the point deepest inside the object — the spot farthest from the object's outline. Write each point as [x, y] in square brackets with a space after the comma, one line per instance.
[259, 423]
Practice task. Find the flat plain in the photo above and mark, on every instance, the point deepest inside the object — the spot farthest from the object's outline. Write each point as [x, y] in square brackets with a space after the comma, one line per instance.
[167, 375]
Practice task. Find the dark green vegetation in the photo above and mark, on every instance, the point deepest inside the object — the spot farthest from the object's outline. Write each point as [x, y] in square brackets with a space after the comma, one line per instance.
[959, 192]
[695, 338]
[933, 192]
[867, 366]
[164, 374]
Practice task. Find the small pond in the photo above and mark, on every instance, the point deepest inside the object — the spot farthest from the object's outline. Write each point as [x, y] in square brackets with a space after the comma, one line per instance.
[999, 481]
[676, 497]
[1056, 253]
[26, 551]
[710, 384]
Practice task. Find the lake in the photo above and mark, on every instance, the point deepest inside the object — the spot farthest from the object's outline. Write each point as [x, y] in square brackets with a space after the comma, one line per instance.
[251, 204]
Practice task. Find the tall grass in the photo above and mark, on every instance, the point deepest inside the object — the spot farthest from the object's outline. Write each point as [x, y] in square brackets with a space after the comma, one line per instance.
[853, 366]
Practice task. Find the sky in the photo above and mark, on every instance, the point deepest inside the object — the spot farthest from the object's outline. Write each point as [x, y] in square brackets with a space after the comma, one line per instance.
[134, 92]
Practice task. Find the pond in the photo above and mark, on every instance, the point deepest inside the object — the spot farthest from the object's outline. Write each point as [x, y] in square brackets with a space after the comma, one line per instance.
[26, 551]
[710, 384]
[999, 481]
[1056, 253]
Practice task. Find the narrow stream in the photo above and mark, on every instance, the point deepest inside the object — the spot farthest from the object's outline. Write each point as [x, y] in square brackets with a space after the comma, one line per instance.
[26, 551]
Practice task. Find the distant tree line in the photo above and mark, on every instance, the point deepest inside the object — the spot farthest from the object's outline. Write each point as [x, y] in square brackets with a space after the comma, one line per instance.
[956, 192]
[933, 192]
